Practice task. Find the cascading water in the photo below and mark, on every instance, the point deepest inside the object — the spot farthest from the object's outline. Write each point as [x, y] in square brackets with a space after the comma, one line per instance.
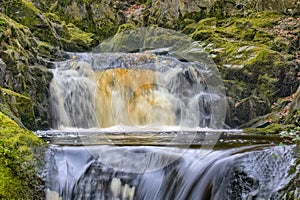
[241, 173]
[138, 89]
[141, 125]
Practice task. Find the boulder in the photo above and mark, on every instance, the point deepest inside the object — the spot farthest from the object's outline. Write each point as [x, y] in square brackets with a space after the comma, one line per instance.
[18, 107]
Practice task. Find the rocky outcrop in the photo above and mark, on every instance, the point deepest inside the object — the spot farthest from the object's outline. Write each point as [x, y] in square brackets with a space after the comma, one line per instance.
[18, 107]
[21, 73]
[178, 13]
[101, 17]
[19, 161]
[253, 54]
[47, 27]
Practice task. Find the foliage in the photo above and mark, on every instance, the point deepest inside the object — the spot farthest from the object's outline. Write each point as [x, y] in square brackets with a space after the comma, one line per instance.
[293, 133]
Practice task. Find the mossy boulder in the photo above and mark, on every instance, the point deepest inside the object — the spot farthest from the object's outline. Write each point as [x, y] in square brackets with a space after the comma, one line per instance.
[19, 162]
[17, 43]
[18, 107]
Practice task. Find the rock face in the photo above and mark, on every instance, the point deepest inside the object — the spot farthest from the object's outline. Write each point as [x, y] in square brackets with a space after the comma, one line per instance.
[254, 56]
[256, 51]
[18, 107]
[19, 58]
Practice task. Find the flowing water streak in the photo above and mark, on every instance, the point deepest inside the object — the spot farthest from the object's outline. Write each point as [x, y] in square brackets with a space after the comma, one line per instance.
[240, 173]
[72, 90]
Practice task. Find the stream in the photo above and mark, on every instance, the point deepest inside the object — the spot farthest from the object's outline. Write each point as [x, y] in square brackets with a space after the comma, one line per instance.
[150, 125]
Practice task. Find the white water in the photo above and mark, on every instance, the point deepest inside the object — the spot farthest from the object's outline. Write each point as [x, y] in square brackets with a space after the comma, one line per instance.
[140, 89]
[114, 96]
[148, 98]
[254, 172]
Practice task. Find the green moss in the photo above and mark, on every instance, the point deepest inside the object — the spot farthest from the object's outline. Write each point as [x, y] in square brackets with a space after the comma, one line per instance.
[45, 49]
[246, 50]
[49, 27]
[18, 178]
[78, 36]
[12, 93]
[263, 58]
[125, 27]
[293, 117]
[20, 105]
[30, 5]
[270, 129]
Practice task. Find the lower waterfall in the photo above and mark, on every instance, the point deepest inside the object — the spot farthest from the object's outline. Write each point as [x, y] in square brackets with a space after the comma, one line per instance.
[253, 172]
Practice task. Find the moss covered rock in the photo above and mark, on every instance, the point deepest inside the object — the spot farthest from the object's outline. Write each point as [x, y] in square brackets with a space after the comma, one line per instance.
[20, 73]
[18, 162]
[99, 17]
[18, 107]
[17, 43]
[48, 27]
[254, 60]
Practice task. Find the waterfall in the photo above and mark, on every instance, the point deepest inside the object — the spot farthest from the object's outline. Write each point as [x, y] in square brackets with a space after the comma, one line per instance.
[167, 96]
[136, 89]
[254, 172]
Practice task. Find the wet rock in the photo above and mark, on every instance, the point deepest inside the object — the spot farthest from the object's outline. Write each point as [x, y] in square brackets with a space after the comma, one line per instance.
[293, 109]
[2, 72]
[38, 82]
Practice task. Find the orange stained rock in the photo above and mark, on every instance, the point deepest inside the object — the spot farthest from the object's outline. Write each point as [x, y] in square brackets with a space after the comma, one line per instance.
[128, 96]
